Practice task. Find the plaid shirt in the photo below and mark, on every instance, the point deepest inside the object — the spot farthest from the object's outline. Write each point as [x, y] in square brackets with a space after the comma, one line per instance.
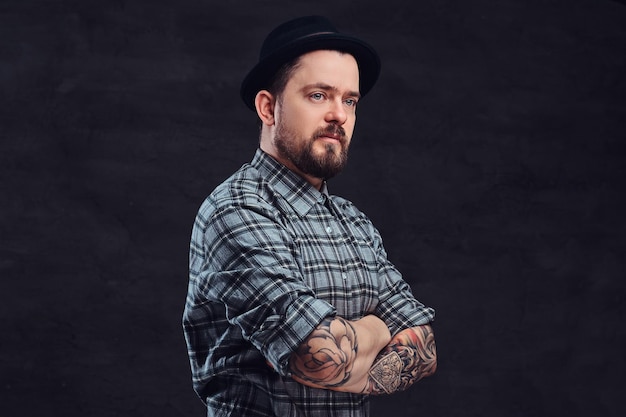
[270, 257]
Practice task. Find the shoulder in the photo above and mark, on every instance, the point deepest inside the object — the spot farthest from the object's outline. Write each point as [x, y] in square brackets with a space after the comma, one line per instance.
[246, 189]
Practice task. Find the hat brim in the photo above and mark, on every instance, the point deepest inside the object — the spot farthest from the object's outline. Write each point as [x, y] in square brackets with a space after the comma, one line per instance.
[261, 75]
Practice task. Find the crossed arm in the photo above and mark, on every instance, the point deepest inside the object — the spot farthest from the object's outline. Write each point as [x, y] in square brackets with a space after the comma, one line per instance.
[361, 356]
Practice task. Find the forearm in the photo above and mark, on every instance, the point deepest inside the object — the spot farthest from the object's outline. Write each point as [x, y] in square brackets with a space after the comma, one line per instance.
[339, 354]
[410, 356]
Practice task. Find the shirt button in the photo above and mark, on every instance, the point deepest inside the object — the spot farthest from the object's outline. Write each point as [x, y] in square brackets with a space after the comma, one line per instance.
[329, 230]
[344, 276]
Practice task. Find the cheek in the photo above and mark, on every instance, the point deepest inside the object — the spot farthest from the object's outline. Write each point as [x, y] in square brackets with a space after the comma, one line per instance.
[349, 126]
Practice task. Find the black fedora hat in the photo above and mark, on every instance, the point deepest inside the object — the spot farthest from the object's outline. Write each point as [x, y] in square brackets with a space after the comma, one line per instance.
[299, 36]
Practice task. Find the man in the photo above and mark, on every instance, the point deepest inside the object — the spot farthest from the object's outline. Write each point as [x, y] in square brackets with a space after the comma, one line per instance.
[293, 308]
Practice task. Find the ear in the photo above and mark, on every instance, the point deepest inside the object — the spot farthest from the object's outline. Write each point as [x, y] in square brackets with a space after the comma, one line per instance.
[264, 103]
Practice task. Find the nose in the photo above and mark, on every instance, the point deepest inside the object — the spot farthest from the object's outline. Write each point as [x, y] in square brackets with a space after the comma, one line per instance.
[336, 112]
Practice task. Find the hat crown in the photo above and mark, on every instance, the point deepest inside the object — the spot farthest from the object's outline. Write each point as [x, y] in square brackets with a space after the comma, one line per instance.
[295, 30]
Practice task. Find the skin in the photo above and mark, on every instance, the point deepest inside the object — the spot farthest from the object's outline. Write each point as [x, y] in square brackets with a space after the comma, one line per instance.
[410, 356]
[308, 129]
[316, 109]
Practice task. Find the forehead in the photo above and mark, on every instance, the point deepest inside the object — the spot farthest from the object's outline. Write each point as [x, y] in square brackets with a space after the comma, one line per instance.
[335, 68]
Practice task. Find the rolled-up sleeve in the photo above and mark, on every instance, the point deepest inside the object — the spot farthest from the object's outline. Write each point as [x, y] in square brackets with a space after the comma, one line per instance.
[246, 263]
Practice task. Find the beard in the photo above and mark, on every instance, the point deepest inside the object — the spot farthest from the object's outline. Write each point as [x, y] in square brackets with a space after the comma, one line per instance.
[299, 151]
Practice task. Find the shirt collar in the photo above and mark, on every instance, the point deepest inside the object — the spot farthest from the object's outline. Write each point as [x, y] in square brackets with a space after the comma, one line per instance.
[297, 191]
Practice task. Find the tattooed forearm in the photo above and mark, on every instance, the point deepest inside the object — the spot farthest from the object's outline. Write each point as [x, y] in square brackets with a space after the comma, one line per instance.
[327, 356]
[409, 357]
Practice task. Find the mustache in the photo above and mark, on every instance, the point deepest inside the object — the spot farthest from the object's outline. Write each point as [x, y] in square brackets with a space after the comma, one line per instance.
[332, 130]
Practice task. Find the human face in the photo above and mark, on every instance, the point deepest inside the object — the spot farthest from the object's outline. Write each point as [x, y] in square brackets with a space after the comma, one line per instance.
[316, 114]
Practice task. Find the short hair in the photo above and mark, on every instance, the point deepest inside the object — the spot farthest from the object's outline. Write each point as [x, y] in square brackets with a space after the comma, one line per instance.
[280, 79]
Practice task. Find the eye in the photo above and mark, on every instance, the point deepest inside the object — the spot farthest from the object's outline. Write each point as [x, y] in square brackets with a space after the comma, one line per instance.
[351, 102]
[316, 96]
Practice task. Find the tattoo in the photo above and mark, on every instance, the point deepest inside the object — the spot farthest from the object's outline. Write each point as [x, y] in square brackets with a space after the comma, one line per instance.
[409, 357]
[386, 372]
[327, 355]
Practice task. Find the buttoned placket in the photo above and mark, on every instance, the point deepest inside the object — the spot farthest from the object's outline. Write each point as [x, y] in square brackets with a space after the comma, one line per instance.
[330, 206]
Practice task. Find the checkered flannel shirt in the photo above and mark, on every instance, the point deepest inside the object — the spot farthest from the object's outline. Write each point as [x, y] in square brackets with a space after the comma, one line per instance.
[270, 257]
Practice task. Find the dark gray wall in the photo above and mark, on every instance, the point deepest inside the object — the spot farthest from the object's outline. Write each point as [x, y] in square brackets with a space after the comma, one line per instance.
[491, 155]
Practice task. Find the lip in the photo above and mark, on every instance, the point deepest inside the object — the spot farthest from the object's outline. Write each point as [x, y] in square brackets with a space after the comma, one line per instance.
[336, 138]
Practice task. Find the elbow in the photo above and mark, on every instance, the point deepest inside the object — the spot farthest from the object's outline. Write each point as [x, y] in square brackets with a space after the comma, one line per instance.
[429, 358]
[431, 363]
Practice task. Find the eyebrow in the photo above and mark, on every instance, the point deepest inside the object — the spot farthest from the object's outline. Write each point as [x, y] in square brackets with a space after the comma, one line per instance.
[327, 87]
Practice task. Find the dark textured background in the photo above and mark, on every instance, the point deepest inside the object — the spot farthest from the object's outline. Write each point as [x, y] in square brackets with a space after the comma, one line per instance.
[491, 155]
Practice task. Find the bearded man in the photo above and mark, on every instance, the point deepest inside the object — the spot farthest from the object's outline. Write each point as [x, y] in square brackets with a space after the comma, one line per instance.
[293, 308]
